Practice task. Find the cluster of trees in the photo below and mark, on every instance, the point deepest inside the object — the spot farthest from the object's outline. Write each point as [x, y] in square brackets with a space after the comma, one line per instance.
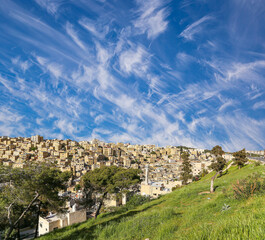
[240, 158]
[26, 193]
[108, 180]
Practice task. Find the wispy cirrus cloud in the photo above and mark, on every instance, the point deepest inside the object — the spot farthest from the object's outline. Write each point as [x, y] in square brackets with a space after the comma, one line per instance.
[227, 104]
[193, 29]
[95, 29]
[259, 105]
[242, 130]
[73, 34]
[51, 6]
[152, 18]
[11, 121]
[54, 68]
[134, 60]
[97, 74]
[24, 65]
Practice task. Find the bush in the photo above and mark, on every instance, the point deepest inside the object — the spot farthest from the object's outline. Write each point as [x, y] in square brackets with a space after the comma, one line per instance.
[257, 163]
[176, 187]
[196, 178]
[136, 200]
[249, 186]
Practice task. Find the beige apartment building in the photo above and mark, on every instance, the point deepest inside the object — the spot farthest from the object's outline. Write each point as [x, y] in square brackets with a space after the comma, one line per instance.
[37, 138]
[155, 189]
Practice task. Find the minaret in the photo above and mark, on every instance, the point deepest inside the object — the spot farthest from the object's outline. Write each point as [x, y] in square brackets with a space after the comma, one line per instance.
[146, 174]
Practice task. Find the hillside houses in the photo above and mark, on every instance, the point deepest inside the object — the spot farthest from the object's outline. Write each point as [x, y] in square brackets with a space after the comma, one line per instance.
[80, 157]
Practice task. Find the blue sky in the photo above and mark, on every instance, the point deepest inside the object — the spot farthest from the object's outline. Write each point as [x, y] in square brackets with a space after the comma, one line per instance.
[155, 71]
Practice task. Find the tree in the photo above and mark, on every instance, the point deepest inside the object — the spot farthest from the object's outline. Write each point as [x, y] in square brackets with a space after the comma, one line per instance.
[186, 168]
[33, 148]
[36, 184]
[240, 158]
[77, 187]
[106, 180]
[218, 164]
[217, 151]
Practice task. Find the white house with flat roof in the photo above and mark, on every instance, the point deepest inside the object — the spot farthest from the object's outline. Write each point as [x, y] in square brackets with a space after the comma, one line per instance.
[56, 221]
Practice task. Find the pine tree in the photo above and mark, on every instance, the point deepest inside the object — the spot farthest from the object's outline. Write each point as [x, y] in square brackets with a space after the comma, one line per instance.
[186, 168]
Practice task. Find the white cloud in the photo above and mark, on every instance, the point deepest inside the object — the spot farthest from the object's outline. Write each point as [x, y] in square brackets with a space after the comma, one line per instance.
[42, 61]
[152, 19]
[194, 28]
[24, 65]
[98, 119]
[72, 33]
[125, 138]
[11, 122]
[259, 105]
[134, 61]
[83, 76]
[66, 126]
[51, 6]
[184, 58]
[227, 104]
[55, 69]
[203, 121]
[242, 131]
[245, 71]
[93, 28]
[243, 76]
[102, 54]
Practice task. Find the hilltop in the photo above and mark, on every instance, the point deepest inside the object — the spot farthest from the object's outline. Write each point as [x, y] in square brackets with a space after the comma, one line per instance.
[183, 214]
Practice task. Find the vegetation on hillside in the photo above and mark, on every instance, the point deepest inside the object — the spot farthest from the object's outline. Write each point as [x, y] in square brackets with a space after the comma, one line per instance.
[218, 165]
[25, 190]
[240, 158]
[108, 180]
[186, 172]
[186, 213]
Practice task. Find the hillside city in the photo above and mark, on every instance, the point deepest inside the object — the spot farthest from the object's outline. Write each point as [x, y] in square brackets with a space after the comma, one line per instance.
[160, 167]
[80, 157]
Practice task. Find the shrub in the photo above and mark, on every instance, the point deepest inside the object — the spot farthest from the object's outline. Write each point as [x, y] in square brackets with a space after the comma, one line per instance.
[176, 187]
[225, 207]
[257, 163]
[196, 178]
[136, 200]
[249, 186]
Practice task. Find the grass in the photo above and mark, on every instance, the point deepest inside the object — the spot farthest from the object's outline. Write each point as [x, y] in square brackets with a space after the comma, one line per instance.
[182, 214]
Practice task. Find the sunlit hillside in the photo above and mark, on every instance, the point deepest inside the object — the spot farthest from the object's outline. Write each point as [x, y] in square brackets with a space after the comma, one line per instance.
[184, 214]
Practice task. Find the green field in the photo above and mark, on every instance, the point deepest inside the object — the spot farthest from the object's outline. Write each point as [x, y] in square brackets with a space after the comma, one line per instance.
[183, 214]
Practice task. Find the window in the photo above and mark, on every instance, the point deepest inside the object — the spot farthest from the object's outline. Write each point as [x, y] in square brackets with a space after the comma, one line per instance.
[40, 225]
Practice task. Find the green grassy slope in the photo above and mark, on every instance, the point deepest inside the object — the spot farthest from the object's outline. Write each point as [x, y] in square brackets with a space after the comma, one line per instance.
[182, 214]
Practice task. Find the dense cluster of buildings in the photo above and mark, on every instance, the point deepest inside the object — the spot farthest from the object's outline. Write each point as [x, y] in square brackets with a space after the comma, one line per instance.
[79, 157]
